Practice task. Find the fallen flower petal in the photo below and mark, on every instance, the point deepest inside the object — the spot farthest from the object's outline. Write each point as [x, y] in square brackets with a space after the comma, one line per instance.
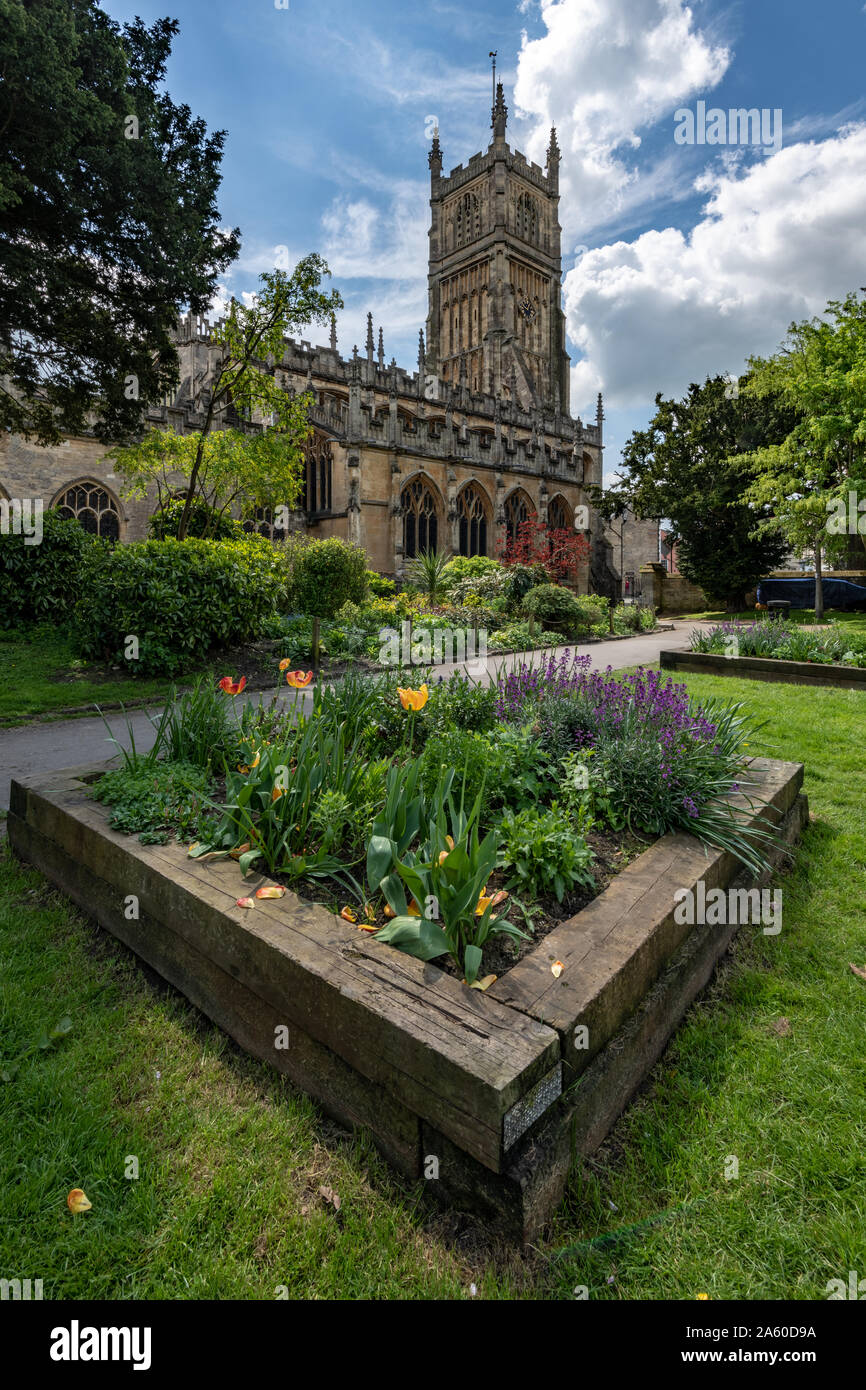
[271, 890]
[556, 969]
[482, 984]
[857, 970]
[77, 1201]
[245, 902]
[348, 915]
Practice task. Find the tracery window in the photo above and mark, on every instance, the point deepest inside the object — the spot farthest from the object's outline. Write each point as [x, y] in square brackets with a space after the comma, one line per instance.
[317, 489]
[557, 514]
[93, 507]
[420, 520]
[472, 520]
[261, 523]
[518, 508]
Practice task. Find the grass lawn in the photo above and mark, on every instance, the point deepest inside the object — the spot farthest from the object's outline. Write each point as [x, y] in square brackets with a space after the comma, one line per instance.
[767, 1069]
[853, 619]
[43, 676]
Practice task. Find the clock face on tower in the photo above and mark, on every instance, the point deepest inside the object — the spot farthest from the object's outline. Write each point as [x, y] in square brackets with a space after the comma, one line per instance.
[527, 309]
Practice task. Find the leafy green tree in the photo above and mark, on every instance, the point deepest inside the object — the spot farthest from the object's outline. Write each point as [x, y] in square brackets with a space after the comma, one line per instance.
[820, 373]
[108, 219]
[222, 463]
[687, 466]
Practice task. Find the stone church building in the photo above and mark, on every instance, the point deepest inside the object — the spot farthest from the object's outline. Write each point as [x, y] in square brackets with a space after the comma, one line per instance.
[453, 455]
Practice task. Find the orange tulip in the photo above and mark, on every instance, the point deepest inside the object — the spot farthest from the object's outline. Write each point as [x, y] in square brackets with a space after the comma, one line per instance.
[232, 687]
[413, 699]
[285, 663]
[298, 679]
[77, 1201]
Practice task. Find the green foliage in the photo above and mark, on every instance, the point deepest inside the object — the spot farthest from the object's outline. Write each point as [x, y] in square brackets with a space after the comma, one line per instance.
[648, 620]
[686, 465]
[198, 727]
[517, 637]
[329, 573]
[554, 607]
[820, 373]
[205, 522]
[463, 703]
[446, 881]
[426, 573]
[626, 617]
[592, 608]
[109, 233]
[467, 567]
[519, 579]
[38, 582]
[379, 586]
[545, 853]
[462, 749]
[180, 599]
[157, 802]
[271, 805]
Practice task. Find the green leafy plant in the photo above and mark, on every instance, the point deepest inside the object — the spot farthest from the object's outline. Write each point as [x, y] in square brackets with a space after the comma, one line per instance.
[157, 803]
[427, 573]
[446, 880]
[327, 574]
[179, 599]
[39, 582]
[544, 852]
[554, 607]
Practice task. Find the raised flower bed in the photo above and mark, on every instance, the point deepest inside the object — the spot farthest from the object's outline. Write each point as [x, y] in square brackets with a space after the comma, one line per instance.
[471, 1089]
[775, 651]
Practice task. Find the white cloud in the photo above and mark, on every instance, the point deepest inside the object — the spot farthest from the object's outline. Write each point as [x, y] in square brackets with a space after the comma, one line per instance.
[385, 240]
[604, 71]
[775, 242]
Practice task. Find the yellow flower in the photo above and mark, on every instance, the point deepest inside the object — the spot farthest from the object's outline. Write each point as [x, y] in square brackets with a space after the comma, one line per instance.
[413, 699]
[445, 852]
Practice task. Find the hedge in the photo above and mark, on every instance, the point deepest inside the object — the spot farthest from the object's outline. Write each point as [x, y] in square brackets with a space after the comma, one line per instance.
[179, 599]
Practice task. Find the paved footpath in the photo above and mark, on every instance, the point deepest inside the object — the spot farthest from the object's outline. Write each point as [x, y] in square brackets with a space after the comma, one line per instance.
[73, 742]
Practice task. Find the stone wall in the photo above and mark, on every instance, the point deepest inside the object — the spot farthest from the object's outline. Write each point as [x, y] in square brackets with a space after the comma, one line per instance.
[670, 593]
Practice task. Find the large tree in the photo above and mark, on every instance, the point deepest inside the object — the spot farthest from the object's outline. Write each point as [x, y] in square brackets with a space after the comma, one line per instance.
[686, 467]
[818, 469]
[257, 464]
[108, 219]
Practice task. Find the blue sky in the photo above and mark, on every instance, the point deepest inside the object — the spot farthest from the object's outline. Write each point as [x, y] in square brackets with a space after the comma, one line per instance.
[679, 260]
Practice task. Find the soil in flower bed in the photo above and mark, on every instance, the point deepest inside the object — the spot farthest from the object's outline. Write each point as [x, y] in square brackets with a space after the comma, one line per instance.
[612, 853]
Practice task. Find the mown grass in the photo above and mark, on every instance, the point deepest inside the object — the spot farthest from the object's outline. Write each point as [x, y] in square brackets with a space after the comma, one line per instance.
[766, 1069]
[43, 676]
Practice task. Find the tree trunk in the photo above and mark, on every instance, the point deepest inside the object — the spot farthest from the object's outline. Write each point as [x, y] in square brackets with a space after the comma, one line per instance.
[819, 586]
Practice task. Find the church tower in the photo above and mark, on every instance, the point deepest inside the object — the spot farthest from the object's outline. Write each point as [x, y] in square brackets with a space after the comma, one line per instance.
[495, 322]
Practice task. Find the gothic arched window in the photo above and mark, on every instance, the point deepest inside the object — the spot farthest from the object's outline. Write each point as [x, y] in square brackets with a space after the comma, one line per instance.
[518, 508]
[92, 506]
[420, 520]
[472, 519]
[317, 490]
[557, 514]
[261, 523]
